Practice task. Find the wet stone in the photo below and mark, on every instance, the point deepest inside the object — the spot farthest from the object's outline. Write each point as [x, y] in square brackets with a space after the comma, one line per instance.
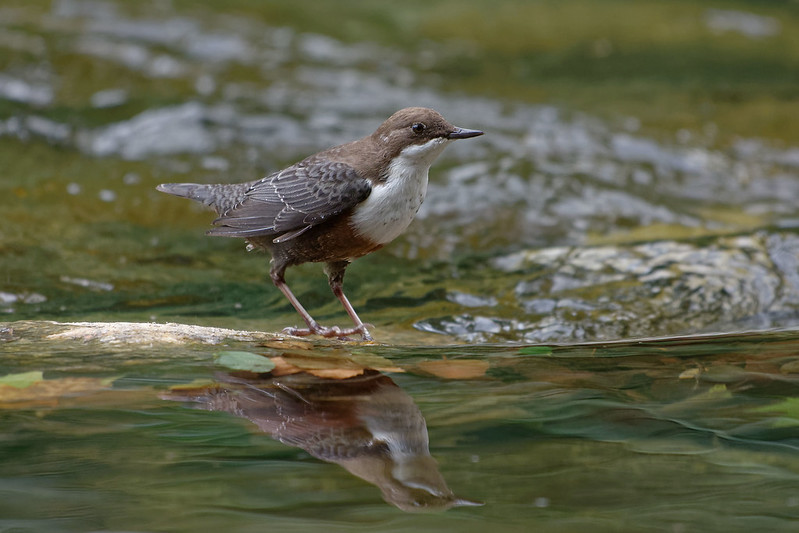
[651, 289]
[109, 98]
[21, 91]
[132, 333]
[471, 300]
[154, 132]
[471, 328]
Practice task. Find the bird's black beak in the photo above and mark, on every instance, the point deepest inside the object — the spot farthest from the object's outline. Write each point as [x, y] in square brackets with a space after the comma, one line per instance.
[461, 133]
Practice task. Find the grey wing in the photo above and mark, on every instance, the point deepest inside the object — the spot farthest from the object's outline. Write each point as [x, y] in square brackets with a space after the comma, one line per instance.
[291, 201]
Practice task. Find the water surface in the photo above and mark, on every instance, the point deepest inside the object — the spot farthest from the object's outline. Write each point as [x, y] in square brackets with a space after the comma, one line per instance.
[691, 434]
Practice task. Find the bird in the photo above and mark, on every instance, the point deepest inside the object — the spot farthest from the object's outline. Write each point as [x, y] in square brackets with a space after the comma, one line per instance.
[367, 424]
[333, 206]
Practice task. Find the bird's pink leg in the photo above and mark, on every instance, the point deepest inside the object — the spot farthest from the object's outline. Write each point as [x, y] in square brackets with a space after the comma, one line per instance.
[313, 326]
[335, 277]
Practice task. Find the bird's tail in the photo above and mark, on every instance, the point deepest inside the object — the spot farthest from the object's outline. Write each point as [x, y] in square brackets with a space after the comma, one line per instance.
[219, 197]
[192, 191]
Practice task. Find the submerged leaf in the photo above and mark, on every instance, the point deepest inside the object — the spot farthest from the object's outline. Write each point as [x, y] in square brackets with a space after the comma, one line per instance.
[791, 367]
[283, 368]
[50, 391]
[196, 384]
[336, 365]
[691, 373]
[455, 368]
[337, 373]
[22, 380]
[376, 362]
[338, 359]
[251, 362]
[288, 344]
[788, 408]
[535, 350]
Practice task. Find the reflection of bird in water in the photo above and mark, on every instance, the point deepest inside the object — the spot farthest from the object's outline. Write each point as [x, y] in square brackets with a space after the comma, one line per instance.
[366, 424]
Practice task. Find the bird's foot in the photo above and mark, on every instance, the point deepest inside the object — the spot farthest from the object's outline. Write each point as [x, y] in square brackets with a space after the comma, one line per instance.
[330, 332]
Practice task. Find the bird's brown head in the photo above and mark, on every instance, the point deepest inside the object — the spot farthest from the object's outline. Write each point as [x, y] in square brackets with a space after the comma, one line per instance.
[421, 130]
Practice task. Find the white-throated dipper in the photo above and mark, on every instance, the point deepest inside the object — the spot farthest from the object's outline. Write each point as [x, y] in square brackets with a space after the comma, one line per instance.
[334, 206]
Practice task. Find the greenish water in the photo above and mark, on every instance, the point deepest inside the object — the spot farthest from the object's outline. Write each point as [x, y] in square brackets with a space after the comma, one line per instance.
[638, 179]
[693, 434]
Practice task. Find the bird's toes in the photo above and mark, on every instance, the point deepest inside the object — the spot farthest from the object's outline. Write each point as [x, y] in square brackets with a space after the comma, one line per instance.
[331, 332]
[362, 329]
[298, 332]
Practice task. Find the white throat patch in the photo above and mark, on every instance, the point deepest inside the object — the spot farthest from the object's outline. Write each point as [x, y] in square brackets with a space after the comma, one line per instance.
[391, 206]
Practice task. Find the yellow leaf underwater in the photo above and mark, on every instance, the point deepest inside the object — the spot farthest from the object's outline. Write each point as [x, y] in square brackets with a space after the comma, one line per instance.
[21, 380]
[47, 392]
[455, 368]
[331, 368]
[336, 360]
[337, 373]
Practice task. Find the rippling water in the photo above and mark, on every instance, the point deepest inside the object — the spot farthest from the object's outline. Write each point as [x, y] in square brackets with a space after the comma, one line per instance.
[683, 434]
[512, 305]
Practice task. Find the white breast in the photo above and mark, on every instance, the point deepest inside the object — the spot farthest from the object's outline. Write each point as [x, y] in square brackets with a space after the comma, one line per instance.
[391, 206]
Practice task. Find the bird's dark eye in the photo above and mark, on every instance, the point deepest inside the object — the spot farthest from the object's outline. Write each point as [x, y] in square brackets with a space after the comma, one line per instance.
[418, 127]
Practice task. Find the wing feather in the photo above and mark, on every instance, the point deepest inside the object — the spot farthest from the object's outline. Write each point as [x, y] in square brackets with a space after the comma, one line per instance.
[289, 202]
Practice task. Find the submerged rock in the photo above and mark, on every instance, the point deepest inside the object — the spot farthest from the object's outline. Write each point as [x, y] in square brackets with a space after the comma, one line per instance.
[644, 290]
[153, 132]
[21, 91]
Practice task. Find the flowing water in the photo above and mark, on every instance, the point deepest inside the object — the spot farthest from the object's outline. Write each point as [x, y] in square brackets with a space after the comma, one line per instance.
[593, 324]
[679, 434]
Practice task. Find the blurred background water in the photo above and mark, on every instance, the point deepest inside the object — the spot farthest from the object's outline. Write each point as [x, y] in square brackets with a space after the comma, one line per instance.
[638, 178]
